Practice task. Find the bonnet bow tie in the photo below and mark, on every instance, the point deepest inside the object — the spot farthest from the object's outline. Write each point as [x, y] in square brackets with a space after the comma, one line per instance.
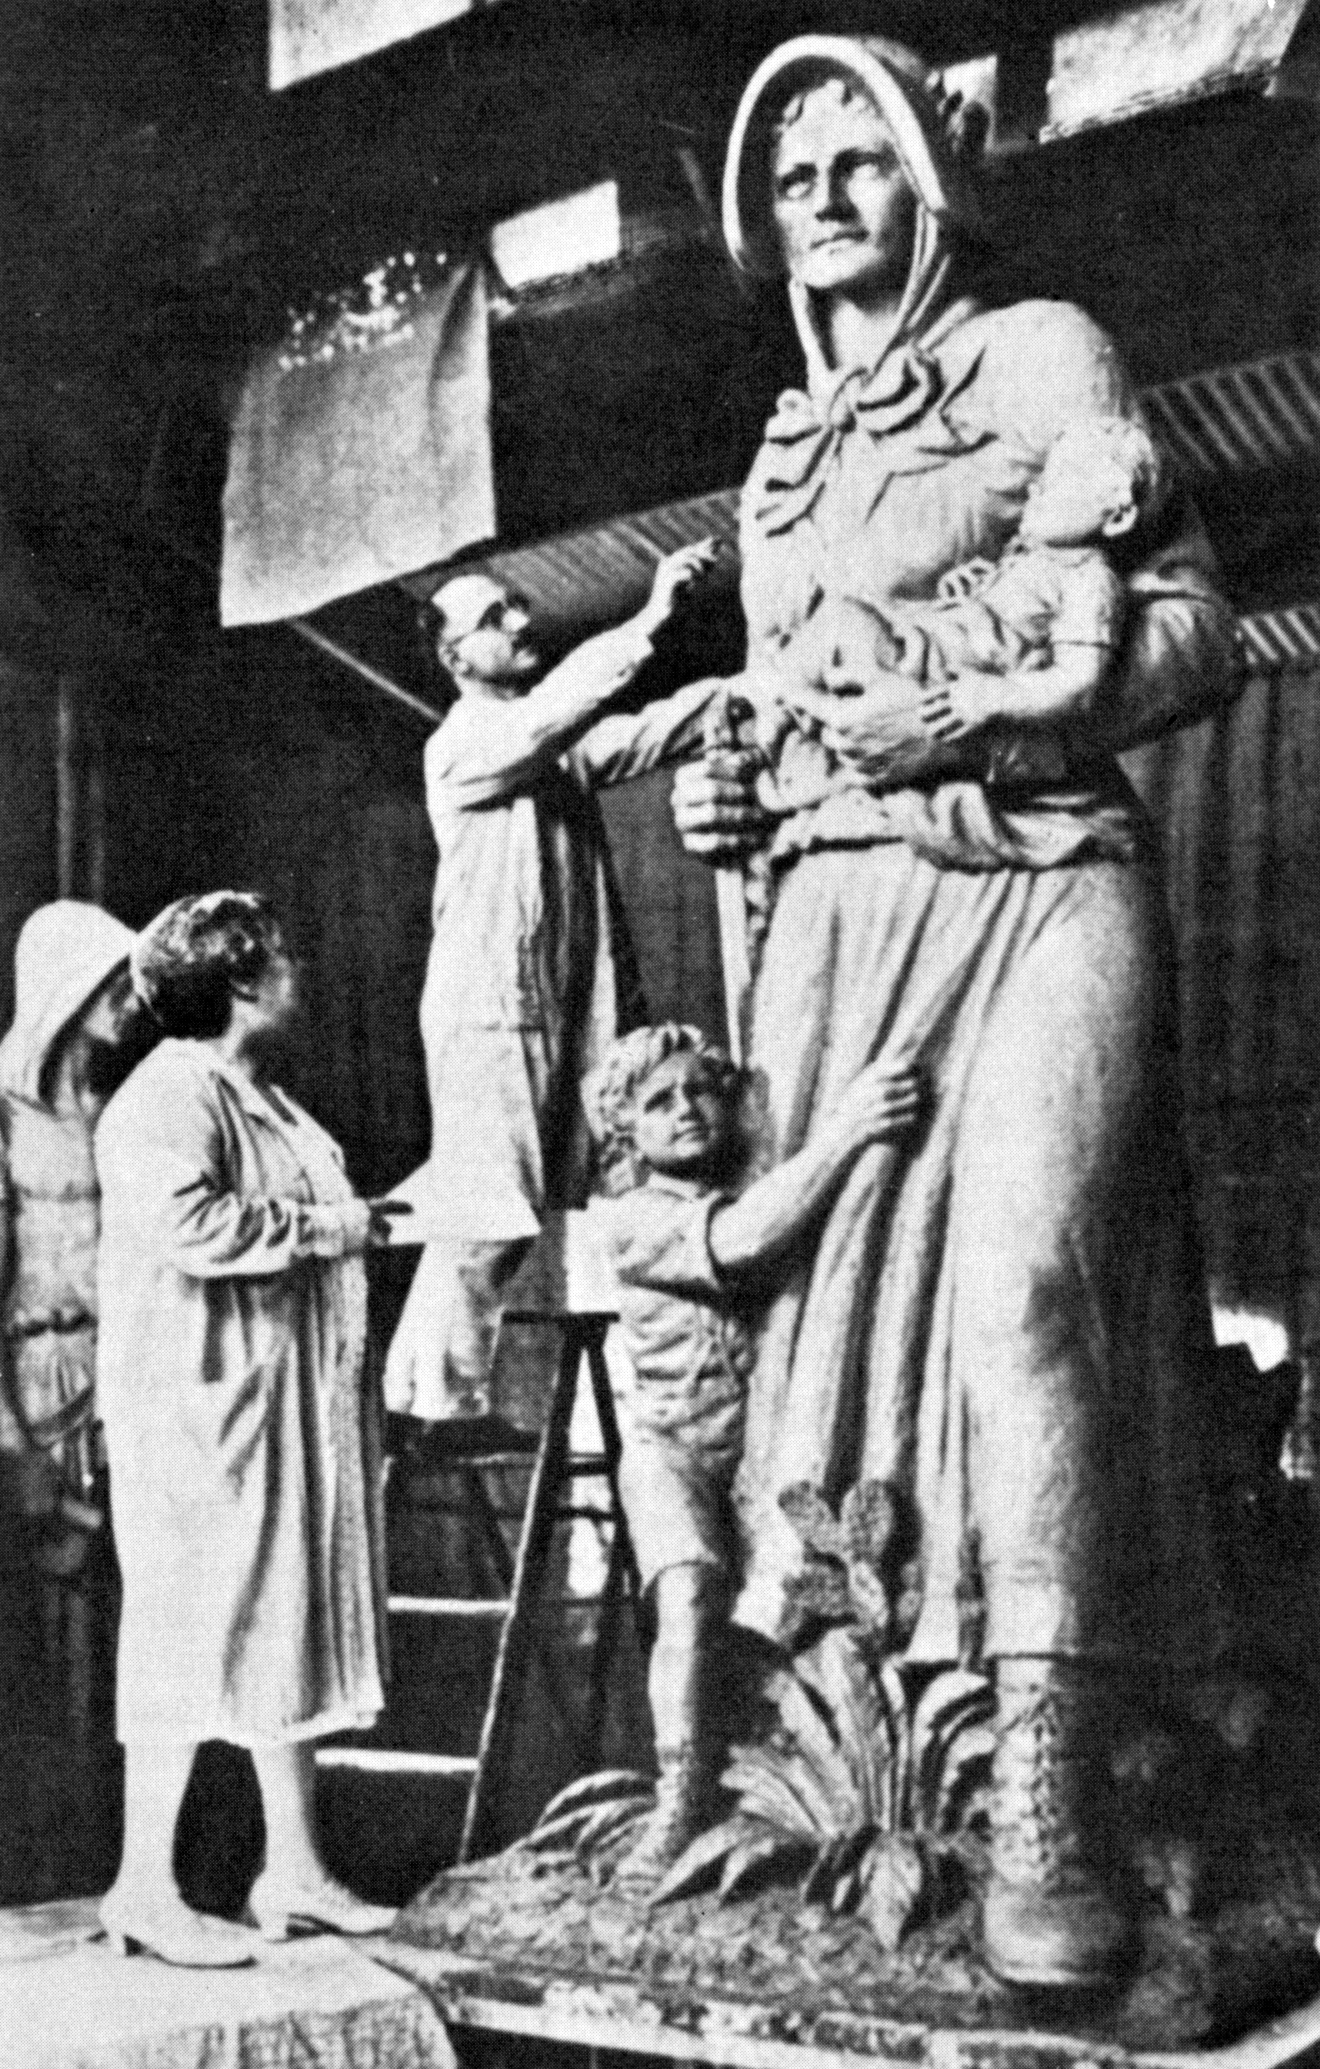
[803, 437]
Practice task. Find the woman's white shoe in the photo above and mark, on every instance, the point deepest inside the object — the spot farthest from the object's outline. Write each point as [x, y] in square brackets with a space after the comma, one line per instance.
[281, 1909]
[176, 1934]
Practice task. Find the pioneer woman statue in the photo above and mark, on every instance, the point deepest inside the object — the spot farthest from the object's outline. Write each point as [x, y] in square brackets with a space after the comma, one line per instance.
[1004, 1321]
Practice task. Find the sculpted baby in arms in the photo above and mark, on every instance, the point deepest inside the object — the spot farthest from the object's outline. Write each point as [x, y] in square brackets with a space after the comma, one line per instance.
[999, 661]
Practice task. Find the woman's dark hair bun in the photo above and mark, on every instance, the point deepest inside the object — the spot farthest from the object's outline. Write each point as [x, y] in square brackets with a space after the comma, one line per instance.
[192, 958]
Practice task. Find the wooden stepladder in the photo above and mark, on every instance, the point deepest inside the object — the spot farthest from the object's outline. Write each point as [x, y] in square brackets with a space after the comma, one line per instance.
[551, 1501]
[553, 1498]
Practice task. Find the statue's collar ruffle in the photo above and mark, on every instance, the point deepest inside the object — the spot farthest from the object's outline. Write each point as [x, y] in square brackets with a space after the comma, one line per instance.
[906, 392]
[899, 393]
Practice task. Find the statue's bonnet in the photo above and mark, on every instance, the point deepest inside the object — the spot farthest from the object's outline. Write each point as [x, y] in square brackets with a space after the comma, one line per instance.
[934, 135]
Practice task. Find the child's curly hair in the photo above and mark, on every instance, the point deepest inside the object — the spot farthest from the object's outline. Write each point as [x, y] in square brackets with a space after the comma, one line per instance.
[1120, 448]
[609, 1092]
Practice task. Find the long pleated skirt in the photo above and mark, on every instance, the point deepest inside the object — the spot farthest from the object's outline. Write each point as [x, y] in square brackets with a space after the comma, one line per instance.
[1002, 1319]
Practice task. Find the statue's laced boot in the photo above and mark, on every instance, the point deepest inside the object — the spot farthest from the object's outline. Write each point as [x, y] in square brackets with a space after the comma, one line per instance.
[1051, 1921]
[683, 1795]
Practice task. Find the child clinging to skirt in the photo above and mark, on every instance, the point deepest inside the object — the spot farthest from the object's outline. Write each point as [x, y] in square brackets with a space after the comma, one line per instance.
[684, 1246]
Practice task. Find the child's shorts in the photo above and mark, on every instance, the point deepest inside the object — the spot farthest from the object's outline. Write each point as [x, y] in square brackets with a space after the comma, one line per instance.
[678, 1503]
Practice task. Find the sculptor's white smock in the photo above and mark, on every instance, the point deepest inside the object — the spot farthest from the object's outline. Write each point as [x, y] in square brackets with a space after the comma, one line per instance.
[232, 1343]
[530, 977]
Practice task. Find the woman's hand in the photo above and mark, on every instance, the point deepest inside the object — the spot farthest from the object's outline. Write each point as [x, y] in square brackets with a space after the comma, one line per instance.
[383, 1215]
[367, 1224]
[715, 807]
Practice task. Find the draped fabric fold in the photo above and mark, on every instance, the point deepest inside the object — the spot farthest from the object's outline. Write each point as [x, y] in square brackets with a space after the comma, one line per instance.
[903, 401]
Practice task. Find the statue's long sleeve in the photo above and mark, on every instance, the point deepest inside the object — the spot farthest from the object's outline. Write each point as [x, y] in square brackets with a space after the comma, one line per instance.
[1181, 660]
[1180, 657]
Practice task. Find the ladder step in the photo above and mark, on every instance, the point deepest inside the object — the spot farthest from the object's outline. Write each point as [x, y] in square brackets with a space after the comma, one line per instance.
[449, 1605]
[580, 1323]
[386, 1760]
[455, 1472]
[483, 1461]
[471, 1462]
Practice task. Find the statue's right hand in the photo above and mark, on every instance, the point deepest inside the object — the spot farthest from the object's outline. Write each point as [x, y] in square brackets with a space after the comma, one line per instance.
[715, 807]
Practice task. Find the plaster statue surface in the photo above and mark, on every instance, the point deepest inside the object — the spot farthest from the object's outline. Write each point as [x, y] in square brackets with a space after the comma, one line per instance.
[1002, 1328]
[982, 1499]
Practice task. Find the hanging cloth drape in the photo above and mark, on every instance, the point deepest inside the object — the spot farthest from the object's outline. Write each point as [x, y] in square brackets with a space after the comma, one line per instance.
[311, 36]
[361, 447]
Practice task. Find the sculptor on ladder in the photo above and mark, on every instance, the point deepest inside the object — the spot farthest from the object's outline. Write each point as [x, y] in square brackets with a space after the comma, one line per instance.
[531, 971]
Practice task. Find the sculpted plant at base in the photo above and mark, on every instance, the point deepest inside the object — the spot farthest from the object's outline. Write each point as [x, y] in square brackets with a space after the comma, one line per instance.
[868, 1782]
[869, 1779]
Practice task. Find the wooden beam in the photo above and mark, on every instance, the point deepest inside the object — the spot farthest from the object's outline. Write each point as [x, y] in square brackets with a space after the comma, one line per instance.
[1163, 55]
[346, 658]
[1046, 79]
[79, 792]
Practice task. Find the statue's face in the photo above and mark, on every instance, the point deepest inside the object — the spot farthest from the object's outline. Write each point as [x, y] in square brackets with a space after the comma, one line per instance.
[844, 210]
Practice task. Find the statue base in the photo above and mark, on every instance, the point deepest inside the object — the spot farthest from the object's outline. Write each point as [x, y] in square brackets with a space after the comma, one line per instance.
[524, 1945]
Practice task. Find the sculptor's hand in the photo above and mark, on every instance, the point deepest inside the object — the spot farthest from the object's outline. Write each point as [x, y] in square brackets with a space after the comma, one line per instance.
[878, 731]
[715, 807]
[676, 574]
